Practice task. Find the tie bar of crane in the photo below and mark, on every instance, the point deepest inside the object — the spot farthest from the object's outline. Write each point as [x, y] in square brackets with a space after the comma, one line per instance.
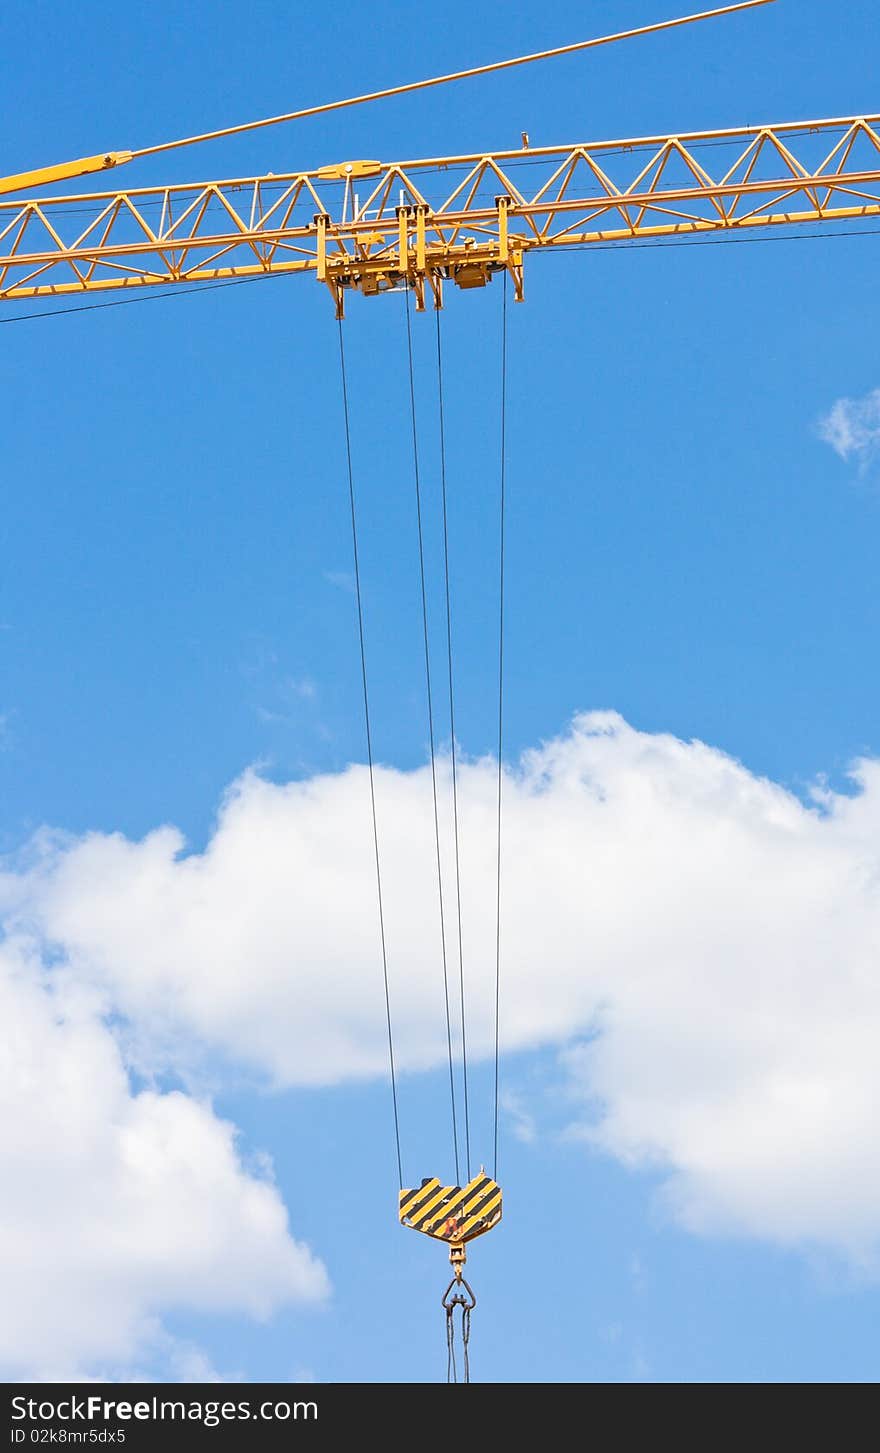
[85, 166]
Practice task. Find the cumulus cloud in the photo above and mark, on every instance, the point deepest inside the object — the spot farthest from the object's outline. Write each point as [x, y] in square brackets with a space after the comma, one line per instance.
[852, 428]
[699, 944]
[118, 1205]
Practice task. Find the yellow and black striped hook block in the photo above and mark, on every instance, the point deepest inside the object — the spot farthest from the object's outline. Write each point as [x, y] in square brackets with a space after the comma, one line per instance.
[454, 1214]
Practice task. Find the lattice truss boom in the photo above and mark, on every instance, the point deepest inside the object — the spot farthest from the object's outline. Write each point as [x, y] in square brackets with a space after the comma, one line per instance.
[369, 225]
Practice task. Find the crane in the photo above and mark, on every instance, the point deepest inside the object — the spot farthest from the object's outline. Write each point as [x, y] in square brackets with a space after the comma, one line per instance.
[372, 227]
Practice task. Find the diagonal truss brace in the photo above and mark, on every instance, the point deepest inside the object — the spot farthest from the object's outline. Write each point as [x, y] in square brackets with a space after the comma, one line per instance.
[442, 219]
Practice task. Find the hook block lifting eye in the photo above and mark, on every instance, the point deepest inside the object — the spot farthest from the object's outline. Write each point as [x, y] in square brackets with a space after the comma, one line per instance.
[459, 1293]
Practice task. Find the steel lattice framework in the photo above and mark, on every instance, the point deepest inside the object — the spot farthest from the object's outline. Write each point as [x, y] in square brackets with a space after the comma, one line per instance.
[370, 225]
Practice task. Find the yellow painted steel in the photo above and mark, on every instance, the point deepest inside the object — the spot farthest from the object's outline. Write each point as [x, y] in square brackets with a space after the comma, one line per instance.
[370, 226]
[65, 172]
[453, 1214]
[466, 75]
[44, 176]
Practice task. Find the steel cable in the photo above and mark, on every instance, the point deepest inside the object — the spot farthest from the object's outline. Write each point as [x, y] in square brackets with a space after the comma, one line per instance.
[360, 616]
[454, 759]
[418, 491]
[502, 511]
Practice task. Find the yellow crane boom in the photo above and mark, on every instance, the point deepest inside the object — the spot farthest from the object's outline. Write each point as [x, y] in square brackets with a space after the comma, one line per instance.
[371, 225]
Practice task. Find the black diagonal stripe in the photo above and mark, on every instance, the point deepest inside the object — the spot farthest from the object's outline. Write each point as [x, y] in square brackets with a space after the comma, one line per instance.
[418, 1206]
[484, 1187]
[408, 1197]
[427, 1218]
[473, 1210]
[444, 1211]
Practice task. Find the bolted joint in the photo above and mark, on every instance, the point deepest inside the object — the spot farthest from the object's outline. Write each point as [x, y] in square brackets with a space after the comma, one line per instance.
[457, 1258]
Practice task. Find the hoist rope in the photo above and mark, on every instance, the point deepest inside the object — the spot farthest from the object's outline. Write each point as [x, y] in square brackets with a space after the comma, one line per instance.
[454, 761]
[465, 1339]
[502, 511]
[430, 701]
[458, 1294]
[360, 616]
[451, 1370]
[431, 727]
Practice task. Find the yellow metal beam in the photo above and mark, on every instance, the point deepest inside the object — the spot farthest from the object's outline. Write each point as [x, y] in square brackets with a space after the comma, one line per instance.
[45, 176]
[457, 219]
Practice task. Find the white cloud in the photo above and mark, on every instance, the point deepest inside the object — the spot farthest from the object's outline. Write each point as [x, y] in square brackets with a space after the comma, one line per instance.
[117, 1205]
[852, 428]
[700, 944]
[521, 1119]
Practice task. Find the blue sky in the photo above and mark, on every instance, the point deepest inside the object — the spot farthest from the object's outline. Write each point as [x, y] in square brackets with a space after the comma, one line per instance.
[684, 549]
